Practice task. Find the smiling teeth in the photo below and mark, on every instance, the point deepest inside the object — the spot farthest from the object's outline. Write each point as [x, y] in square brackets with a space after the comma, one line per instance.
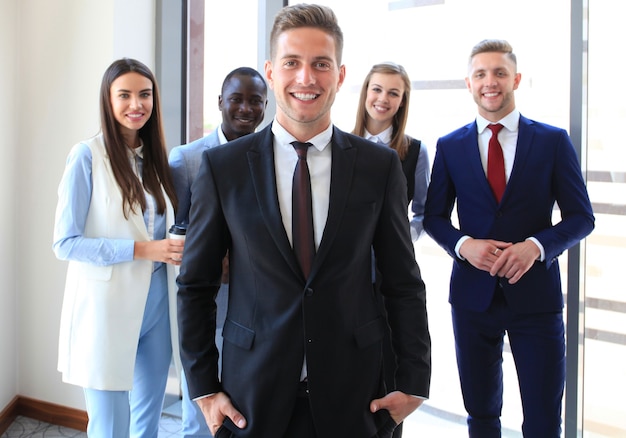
[490, 94]
[303, 96]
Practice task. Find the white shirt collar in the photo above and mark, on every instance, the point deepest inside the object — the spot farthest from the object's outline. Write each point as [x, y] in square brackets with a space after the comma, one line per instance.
[136, 152]
[320, 141]
[383, 137]
[220, 135]
[510, 122]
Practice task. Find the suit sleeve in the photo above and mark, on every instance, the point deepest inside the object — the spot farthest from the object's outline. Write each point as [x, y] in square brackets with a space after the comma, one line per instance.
[440, 202]
[422, 177]
[199, 282]
[403, 288]
[182, 184]
[570, 193]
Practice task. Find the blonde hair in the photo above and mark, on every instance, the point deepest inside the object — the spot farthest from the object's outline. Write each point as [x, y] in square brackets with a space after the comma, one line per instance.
[399, 140]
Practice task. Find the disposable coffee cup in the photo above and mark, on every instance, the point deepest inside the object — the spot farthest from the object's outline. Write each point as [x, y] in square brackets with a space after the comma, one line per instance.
[178, 231]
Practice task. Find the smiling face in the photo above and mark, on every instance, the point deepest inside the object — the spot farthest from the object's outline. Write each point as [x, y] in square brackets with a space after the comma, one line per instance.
[305, 77]
[131, 103]
[242, 104]
[492, 80]
[385, 96]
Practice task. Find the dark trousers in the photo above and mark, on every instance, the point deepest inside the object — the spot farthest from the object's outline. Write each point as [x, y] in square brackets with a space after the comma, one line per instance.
[538, 346]
[301, 423]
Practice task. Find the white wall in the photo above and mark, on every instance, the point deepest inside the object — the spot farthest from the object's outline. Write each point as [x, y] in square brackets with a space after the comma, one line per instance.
[8, 146]
[53, 57]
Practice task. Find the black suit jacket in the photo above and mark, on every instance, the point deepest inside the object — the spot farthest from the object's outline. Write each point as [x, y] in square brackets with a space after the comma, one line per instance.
[275, 316]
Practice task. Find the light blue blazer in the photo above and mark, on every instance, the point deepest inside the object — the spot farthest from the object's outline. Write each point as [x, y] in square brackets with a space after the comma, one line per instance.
[184, 162]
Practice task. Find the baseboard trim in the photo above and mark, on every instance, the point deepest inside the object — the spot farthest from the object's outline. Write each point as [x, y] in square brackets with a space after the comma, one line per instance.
[43, 411]
[8, 415]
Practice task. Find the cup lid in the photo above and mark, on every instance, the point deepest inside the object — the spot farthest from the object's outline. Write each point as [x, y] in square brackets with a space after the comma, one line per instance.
[178, 229]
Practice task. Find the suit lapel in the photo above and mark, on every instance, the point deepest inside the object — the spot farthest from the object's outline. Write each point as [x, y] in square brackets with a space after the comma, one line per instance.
[261, 163]
[522, 151]
[341, 177]
[470, 142]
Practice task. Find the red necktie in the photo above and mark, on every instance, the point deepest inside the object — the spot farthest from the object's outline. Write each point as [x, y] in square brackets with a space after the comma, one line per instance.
[302, 220]
[495, 163]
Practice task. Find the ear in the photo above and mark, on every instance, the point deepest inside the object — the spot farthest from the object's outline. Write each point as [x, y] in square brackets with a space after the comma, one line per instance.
[518, 79]
[342, 76]
[269, 70]
[219, 102]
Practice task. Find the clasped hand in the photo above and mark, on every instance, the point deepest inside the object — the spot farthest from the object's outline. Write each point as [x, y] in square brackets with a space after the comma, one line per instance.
[502, 259]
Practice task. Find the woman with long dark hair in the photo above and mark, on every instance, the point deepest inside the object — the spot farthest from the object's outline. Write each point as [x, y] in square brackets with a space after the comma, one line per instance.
[116, 201]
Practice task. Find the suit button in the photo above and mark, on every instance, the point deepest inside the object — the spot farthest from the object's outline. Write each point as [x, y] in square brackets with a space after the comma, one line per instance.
[308, 292]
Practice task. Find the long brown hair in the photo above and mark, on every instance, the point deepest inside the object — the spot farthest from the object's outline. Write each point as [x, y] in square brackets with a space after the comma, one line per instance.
[399, 140]
[156, 170]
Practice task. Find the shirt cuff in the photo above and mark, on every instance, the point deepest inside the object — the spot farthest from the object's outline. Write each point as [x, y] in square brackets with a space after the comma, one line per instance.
[457, 247]
[542, 257]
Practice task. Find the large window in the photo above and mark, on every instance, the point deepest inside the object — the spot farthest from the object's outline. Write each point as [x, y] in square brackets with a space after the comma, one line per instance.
[230, 41]
[432, 39]
[604, 378]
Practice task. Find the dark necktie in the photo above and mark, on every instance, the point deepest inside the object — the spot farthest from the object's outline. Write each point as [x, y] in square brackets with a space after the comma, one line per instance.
[495, 163]
[302, 213]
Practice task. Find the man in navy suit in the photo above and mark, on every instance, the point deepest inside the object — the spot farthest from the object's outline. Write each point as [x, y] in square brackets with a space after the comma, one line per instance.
[242, 102]
[505, 276]
[302, 354]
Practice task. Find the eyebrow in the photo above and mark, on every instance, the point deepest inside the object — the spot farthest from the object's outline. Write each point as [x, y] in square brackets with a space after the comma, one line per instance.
[123, 90]
[329, 59]
[373, 84]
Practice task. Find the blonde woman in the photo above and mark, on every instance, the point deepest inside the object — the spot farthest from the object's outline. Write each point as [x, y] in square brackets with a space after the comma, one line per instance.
[382, 114]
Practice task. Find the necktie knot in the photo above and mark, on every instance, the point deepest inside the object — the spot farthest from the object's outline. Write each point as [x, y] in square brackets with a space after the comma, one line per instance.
[495, 128]
[301, 148]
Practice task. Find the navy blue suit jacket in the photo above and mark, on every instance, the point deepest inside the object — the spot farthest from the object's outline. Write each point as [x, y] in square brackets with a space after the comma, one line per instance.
[546, 170]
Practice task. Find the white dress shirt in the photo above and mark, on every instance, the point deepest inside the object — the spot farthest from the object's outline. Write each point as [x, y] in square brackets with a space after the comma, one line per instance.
[319, 161]
[319, 157]
[508, 140]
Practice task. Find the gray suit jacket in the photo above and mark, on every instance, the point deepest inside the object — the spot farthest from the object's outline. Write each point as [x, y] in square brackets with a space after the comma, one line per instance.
[185, 162]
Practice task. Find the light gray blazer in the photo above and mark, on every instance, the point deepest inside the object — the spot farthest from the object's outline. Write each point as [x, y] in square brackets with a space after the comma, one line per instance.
[185, 162]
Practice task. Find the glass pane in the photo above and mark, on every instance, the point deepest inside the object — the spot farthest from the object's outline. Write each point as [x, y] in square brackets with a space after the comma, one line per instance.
[605, 314]
[432, 40]
[231, 34]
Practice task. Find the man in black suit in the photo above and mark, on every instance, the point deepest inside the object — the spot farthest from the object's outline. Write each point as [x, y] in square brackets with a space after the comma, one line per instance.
[302, 352]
